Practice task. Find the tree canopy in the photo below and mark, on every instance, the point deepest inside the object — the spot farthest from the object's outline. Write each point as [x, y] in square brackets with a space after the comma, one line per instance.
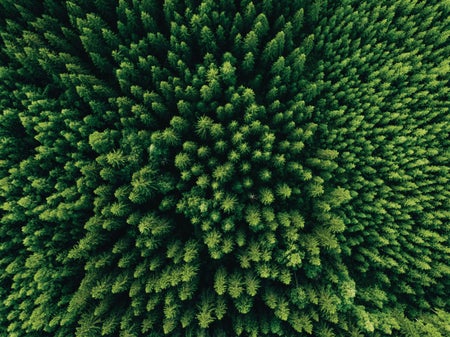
[219, 168]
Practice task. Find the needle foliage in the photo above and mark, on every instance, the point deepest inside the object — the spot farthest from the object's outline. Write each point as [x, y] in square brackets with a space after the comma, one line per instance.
[219, 168]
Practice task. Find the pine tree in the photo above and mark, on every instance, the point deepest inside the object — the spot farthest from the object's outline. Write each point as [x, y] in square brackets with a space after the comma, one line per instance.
[217, 168]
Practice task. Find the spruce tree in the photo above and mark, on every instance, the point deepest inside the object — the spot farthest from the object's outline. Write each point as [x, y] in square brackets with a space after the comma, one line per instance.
[224, 168]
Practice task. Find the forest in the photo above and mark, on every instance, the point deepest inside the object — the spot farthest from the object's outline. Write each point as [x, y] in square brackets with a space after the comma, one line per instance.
[219, 168]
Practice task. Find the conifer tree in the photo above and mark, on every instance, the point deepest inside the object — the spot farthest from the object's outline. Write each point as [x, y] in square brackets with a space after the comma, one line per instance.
[224, 168]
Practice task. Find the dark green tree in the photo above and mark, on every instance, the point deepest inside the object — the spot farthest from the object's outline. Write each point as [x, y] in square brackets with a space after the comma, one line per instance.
[224, 168]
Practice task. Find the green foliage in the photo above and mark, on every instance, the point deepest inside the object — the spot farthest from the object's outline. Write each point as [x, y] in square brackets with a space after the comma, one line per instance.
[221, 168]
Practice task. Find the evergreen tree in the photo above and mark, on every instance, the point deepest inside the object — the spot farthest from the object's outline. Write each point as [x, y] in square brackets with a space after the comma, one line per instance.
[222, 168]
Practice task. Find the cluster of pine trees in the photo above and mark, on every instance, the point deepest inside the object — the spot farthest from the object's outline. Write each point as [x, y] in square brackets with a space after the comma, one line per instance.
[220, 168]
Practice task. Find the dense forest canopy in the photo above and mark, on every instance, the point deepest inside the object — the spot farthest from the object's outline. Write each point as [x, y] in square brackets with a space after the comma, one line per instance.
[220, 168]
